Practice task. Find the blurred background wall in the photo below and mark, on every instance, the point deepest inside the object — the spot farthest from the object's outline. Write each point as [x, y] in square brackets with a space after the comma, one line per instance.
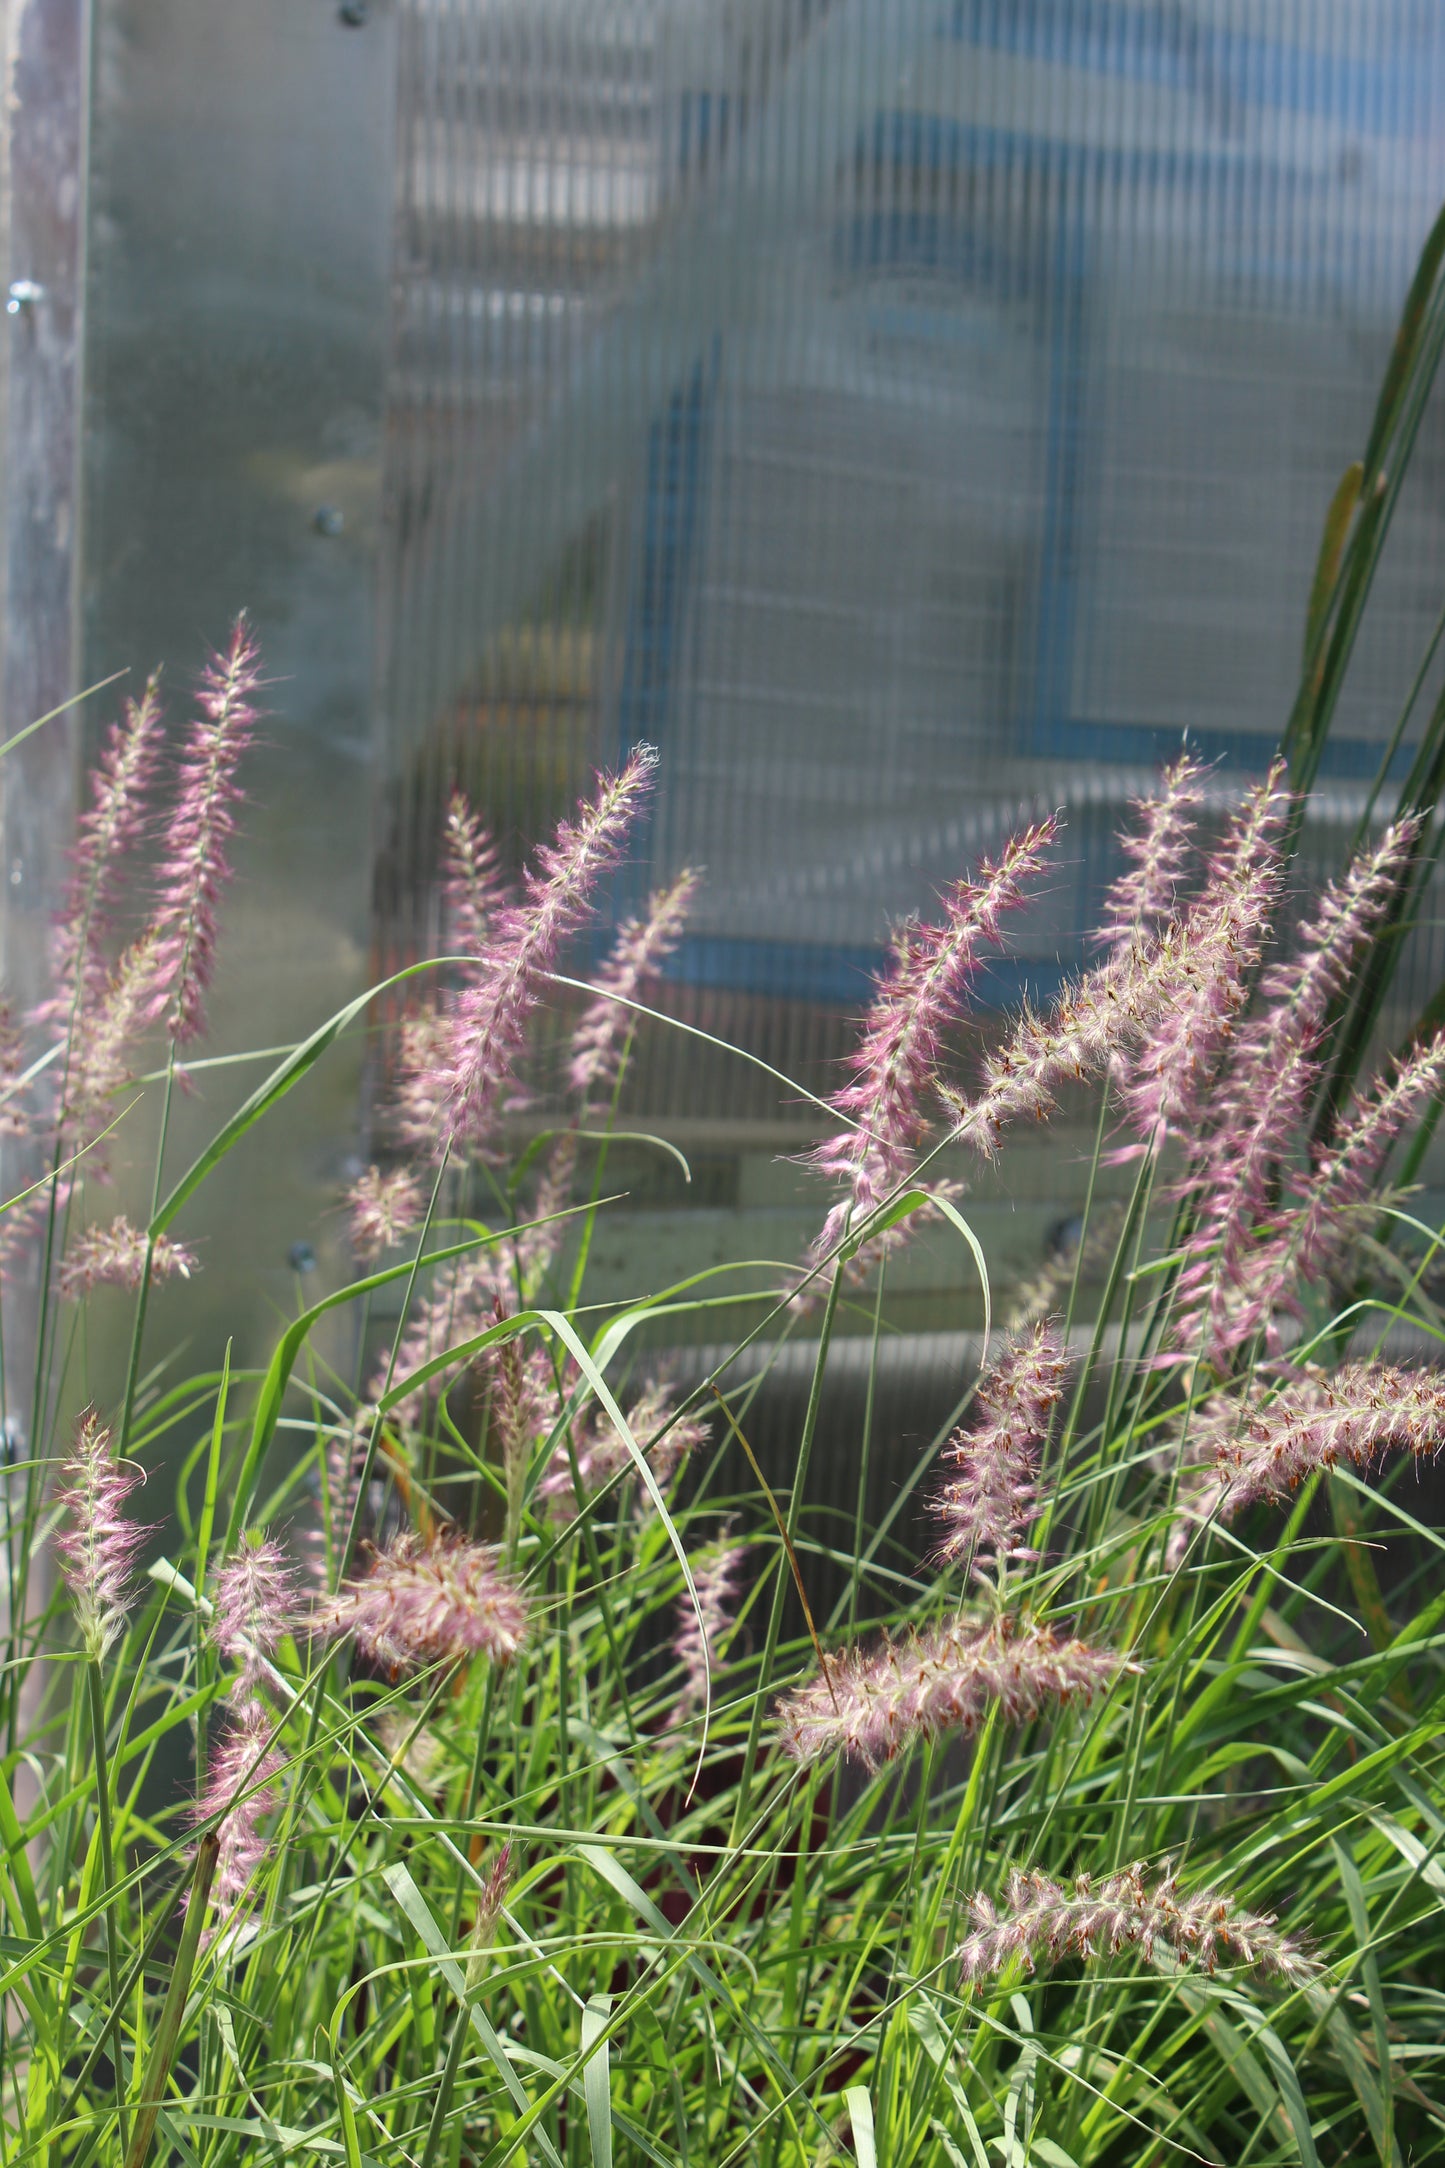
[911, 415]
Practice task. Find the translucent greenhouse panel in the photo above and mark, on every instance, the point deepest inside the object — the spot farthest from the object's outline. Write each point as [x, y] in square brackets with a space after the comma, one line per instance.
[910, 414]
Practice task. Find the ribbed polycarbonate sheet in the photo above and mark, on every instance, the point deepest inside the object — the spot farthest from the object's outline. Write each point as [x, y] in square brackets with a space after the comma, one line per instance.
[909, 414]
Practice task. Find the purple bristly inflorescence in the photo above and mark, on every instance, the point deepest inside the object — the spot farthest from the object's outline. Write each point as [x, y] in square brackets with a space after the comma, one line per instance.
[242, 1787]
[641, 948]
[194, 866]
[701, 1628]
[111, 824]
[992, 1498]
[461, 1306]
[1345, 1171]
[98, 1549]
[1042, 1922]
[1348, 1419]
[896, 1065]
[381, 1208]
[1142, 901]
[871, 1704]
[115, 1256]
[1174, 1071]
[489, 1026]
[601, 1452]
[253, 1604]
[425, 1602]
[471, 880]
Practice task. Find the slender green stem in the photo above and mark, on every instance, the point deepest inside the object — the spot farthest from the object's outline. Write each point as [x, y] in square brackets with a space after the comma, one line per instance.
[95, 1690]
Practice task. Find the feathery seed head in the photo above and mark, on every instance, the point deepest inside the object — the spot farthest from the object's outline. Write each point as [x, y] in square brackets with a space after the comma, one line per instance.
[1142, 900]
[993, 1497]
[871, 1704]
[923, 992]
[701, 1629]
[113, 822]
[254, 1604]
[382, 1208]
[492, 1013]
[242, 1786]
[1042, 1922]
[99, 1547]
[422, 1603]
[642, 946]
[472, 883]
[115, 1256]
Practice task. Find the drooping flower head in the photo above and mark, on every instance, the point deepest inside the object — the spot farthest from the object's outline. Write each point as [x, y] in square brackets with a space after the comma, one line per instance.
[871, 1704]
[492, 1013]
[664, 1438]
[115, 1256]
[896, 1065]
[701, 1628]
[1348, 1419]
[382, 1208]
[462, 1306]
[242, 1787]
[254, 1604]
[99, 1547]
[993, 1497]
[1143, 900]
[640, 950]
[421, 1603]
[194, 867]
[1042, 1922]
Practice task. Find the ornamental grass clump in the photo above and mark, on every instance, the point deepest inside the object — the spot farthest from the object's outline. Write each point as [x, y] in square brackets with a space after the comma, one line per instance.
[494, 1750]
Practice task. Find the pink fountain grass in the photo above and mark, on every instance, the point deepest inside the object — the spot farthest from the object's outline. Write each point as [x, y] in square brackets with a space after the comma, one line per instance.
[346, 1451]
[640, 950]
[101, 1059]
[1348, 1419]
[923, 994]
[1042, 1923]
[493, 1012]
[428, 1602]
[472, 883]
[112, 824]
[993, 1497]
[1347, 1170]
[254, 1605]
[461, 1306]
[98, 1549]
[523, 1407]
[1175, 1071]
[381, 1208]
[15, 1116]
[665, 1440]
[243, 1785]
[1142, 901]
[871, 1704]
[702, 1629]
[195, 867]
[115, 1256]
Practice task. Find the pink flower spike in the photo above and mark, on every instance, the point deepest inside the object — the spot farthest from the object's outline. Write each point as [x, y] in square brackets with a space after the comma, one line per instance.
[242, 1786]
[1142, 900]
[115, 1256]
[1042, 1922]
[873, 1704]
[15, 1119]
[896, 1064]
[99, 1548]
[1176, 1069]
[638, 954]
[113, 822]
[383, 1208]
[665, 1441]
[194, 866]
[253, 1605]
[698, 1647]
[462, 1306]
[993, 1498]
[1348, 1419]
[472, 883]
[1345, 1173]
[491, 1018]
[424, 1603]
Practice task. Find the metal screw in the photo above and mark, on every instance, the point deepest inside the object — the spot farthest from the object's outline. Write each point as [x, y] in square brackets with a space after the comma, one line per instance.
[328, 519]
[24, 293]
[301, 1257]
[353, 13]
